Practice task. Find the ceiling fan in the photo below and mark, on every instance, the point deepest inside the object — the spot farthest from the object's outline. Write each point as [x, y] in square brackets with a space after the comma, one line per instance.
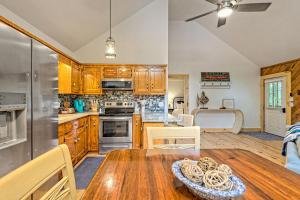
[226, 7]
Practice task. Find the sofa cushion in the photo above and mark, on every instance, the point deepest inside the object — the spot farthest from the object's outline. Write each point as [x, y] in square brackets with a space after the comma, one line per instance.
[298, 145]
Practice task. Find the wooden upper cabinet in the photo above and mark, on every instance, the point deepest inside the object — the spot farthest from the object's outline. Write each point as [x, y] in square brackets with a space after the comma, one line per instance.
[150, 80]
[69, 76]
[157, 80]
[92, 80]
[110, 72]
[64, 75]
[117, 72]
[76, 78]
[141, 80]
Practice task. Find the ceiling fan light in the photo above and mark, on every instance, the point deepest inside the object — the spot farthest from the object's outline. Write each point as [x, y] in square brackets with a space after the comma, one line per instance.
[110, 48]
[225, 12]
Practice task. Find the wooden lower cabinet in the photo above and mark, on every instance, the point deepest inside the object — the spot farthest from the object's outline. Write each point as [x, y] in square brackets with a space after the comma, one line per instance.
[145, 125]
[136, 131]
[93, 141]
[75, 135]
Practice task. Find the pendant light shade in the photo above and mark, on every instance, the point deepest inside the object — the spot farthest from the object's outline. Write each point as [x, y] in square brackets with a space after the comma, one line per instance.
[110, 46]
[110, 49]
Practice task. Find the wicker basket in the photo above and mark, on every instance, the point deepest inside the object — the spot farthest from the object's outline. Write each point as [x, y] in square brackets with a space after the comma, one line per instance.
[203, 192]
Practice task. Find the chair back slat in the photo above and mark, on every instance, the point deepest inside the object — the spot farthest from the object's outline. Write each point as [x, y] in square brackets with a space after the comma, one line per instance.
[27, 179]
[190, 134]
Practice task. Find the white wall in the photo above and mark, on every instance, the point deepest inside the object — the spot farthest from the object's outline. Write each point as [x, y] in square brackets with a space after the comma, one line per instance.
[6, 13]
[192, 50]
[175, 89]
[142, 38]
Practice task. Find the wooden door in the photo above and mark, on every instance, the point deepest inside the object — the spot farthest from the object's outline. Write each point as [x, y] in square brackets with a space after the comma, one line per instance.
[275, 106]
[136, 131]
[157, 80]
[75, 87]
[80, 143]
[64, 75]
[69, 140]
[94, 133]
[124, 72]
[110, 72]
[141, 80]
[91, 80]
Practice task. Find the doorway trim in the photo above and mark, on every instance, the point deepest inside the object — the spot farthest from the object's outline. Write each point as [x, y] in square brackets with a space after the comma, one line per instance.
[185, 78]
[287, 75]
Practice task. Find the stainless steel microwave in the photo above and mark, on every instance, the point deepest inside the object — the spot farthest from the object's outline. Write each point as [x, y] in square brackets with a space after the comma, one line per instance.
[117, 84]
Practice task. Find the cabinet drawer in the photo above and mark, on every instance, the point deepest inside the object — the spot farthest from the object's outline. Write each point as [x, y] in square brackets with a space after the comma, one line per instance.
[124, 72]
[110, 72]
[68, 127]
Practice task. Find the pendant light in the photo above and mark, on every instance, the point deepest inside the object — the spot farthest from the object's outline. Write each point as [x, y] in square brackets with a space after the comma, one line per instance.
[110, 49]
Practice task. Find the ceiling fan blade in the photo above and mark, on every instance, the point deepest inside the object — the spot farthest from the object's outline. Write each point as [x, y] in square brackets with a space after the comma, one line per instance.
[221, 21]
[202, 15]
[252, 7]
[216, 2]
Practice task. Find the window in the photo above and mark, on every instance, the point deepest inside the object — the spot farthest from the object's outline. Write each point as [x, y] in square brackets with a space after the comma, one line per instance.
[274, 93]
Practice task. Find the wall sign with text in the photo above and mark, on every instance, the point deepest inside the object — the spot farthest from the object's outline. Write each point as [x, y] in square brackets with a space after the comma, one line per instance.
[215, 80]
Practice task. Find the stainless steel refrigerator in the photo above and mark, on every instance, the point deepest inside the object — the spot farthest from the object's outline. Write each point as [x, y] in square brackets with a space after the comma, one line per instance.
[28, 99]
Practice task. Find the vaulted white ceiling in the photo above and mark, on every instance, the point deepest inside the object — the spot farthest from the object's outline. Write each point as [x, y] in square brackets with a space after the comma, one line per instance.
[265, 38]
[73, 23]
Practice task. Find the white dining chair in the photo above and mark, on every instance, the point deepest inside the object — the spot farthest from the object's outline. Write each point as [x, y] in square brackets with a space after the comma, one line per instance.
[177, 111]
[158, 134]
[28, 179]
[185, 120]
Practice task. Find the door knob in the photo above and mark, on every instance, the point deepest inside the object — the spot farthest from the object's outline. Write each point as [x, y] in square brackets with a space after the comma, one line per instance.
[283, 110]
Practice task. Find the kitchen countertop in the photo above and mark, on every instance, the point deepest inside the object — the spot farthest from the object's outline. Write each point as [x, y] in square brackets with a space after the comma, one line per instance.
[63, 118]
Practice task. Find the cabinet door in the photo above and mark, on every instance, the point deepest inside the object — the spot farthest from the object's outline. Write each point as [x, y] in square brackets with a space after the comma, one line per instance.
[110, 72]
[75, 87]
[136, 132]
[157, 80]
[80, 143]
[94, 133]
[69, 140]
[64, 76]
[141, 80]
[91, 80]
[124, 72]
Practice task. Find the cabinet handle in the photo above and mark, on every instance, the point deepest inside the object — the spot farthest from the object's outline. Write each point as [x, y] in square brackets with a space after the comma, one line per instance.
[78, 139]
[94, 124]
[74, 83]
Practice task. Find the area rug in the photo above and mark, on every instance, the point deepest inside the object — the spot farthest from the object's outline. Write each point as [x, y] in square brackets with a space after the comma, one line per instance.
[86, 170]
[264, 136]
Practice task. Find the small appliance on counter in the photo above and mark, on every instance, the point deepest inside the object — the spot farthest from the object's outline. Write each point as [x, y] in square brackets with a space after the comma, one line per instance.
[94, 105]
[79, 105]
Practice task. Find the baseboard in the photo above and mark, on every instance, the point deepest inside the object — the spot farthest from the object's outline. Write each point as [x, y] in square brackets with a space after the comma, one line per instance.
[251, 130]
[216, 130]
[228, 130]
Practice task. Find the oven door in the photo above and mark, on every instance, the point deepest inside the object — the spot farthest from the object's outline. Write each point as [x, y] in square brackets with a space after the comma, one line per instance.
[115, 129]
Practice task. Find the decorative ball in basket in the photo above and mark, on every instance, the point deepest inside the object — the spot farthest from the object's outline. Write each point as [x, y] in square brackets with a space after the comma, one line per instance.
[207, 179]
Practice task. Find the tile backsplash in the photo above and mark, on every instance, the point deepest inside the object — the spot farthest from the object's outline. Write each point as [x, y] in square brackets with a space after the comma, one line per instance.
[153, 103]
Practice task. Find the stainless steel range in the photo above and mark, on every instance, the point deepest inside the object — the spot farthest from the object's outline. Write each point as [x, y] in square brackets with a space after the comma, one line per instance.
[116, 125]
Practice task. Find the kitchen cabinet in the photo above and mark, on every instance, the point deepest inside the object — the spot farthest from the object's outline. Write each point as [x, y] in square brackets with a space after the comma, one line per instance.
[76, 78]
[93, 141]
[141, 80]
[69, 76]
[150, 80]
[157, 80]
[74, 135]
[92, 80]
[70, 141]
[144, 143]
[117, 72]
[136, 131]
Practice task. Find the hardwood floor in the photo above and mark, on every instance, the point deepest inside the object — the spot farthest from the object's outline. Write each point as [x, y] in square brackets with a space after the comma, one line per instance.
[270, 150]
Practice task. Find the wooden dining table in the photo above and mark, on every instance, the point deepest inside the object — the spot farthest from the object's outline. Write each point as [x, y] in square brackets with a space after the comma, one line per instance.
[146, 174]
